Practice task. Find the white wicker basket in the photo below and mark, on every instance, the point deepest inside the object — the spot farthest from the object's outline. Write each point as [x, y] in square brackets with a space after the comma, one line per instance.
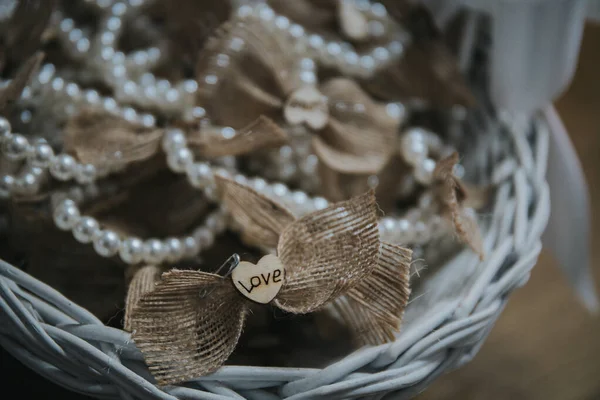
[445, 323]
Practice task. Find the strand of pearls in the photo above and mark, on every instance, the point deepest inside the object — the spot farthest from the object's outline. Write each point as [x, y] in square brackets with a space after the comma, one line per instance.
[131, 249]
[417, 227]
[66, 98]
[40, 155]
[416, 146]
[332, 53]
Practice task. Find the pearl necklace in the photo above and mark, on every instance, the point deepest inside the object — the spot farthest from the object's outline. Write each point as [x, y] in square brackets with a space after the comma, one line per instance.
[332, 53]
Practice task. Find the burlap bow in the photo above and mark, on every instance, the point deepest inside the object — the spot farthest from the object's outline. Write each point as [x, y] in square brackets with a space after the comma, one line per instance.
[358, 141]
[352, 134]
[247, 70]
[190, 323]
[111, 143]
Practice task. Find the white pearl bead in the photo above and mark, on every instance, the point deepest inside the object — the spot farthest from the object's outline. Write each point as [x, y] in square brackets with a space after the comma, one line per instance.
[173, 139]
[190, 86]
[279, 189]
[315, 41]
[413, 147]
[381, 54]
[222, 172]
[7, 183]
[41, 155]
[458, 171]
[66, 25]
[378, 10]
[296, 31]
[148, 120]
[426, 200]
[62, 167]
[66, 215]
[320, 203]
[107, 243]
[190, 246]
[282, 22]
[86, 230]
[244, 11]
[175, 249]
[236, 44]
[180, 160]
[222, 60]
[299, 197]
[27, 184]
[216, 223]
[155, 251]
[132, 250]
[16, 147]
[85, 173]
[396, 47]
[396, 111]
[46, 73]
[198, 112]
[421, 232]
[259, 184]
[204, 237]
[5, 128]
[424, 171]
[388, 225]
[404, 230]
[200, 175]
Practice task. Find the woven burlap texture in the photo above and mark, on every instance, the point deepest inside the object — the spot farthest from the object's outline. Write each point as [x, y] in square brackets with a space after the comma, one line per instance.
[191, 322]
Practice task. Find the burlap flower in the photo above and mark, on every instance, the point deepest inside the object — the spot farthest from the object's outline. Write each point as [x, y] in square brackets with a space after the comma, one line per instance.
[189, 324]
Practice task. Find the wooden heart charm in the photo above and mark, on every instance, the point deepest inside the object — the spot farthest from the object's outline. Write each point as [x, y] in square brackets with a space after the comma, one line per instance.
[259, 282]
[307, 105]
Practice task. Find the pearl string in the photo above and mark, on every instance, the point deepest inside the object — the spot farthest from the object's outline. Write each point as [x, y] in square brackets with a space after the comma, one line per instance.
[131, 249]
[408, 229]
[331, 53]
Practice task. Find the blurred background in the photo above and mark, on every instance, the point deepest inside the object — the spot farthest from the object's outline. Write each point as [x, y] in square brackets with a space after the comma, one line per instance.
[545, 345]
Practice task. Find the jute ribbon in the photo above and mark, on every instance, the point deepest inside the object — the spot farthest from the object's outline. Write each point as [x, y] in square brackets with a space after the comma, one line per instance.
[191, 322]
[454, 196]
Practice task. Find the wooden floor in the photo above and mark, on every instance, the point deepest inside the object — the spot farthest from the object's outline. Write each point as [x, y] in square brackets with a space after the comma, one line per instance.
[545, 345]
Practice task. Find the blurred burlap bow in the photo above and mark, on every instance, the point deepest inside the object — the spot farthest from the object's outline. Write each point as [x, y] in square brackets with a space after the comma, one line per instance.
[190, 322]
[353, 136]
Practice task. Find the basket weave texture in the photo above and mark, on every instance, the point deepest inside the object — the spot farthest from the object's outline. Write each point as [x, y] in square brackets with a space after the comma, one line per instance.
[445, 324]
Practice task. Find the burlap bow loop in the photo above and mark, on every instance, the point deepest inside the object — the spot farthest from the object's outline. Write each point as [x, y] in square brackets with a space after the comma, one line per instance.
[359, 140]
[215, 141]
[110, 143]
[247, 70]
[190, 323]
